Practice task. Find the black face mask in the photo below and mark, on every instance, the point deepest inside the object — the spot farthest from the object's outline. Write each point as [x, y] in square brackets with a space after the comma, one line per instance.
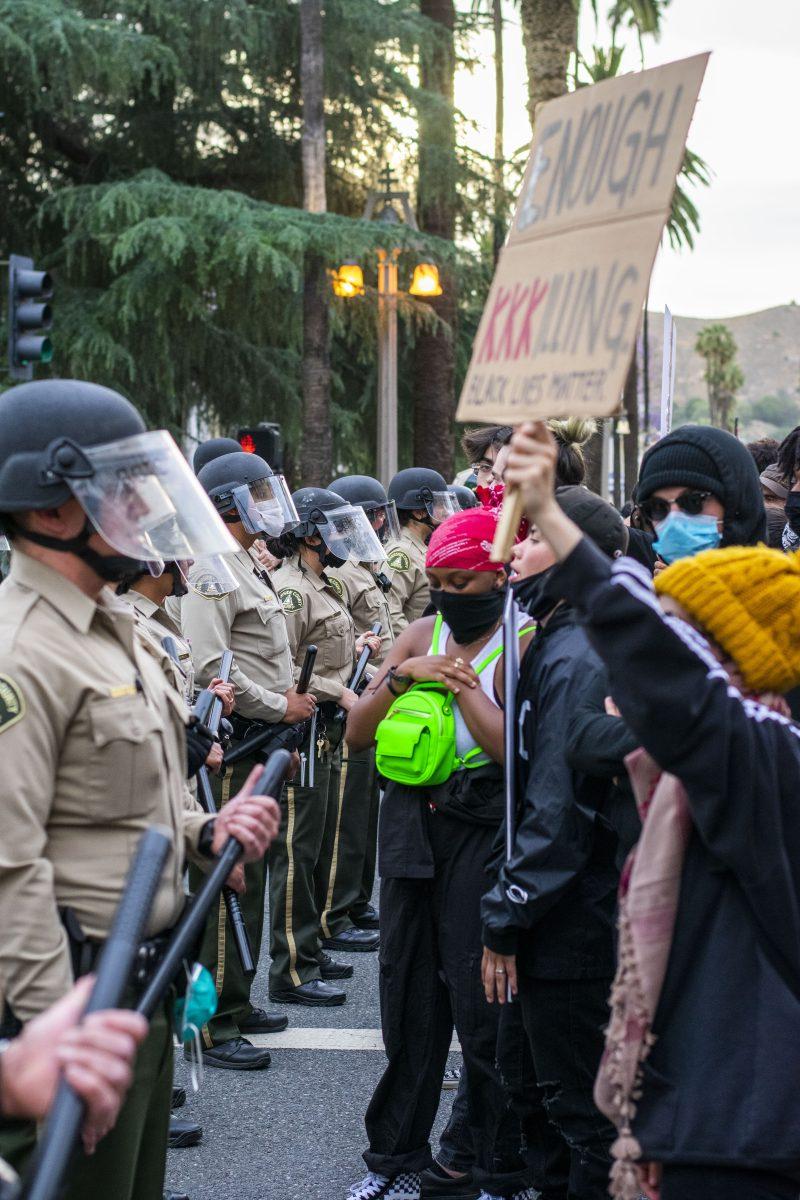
[792, 507]
[326, 556]
[469, 615]
[533, 594]
[110, 567]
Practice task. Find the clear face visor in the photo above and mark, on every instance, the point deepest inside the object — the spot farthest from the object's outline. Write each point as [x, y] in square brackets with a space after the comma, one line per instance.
[265, 506]
[441, 505]
[209, 576]
[348, 533]
[383, 519]
[144, 500]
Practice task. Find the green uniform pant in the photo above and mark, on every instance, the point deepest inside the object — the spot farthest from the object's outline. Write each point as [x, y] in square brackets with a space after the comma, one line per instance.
[218, 950]
[364, 897]
[347, 842]
[299, 867]
[129, 1162]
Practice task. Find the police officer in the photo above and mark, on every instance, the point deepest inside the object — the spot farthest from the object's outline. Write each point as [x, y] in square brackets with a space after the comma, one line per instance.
[365, 588]
[423, 501]
[304, 861]
[464, 496]
[249, 621]
[205, 452]
[92, 732]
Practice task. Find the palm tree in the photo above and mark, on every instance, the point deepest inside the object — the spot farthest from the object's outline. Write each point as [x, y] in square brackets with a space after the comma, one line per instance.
[316, 459]
[550, 37]
[716, 344]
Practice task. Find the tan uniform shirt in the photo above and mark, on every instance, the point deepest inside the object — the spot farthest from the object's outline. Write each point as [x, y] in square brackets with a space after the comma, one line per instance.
[316, 616]
[249, 622]
[156, 624]
[93, 751]
[410, 594]
[366, 600]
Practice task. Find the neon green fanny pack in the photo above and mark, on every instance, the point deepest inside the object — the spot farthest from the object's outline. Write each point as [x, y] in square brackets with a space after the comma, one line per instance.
[415, 743]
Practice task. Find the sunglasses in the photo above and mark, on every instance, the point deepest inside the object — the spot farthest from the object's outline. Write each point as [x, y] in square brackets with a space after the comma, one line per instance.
[656, 508]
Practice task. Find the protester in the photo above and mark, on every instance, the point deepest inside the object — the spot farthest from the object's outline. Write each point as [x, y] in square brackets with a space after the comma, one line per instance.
[698, 488]
[764, 453]
[789, 467]
[702, 1057]
[548, 924]
[481, 447]
[775, 491]
[434, 843]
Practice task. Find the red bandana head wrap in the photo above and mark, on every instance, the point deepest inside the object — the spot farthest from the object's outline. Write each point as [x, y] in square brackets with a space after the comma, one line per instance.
[464, 542]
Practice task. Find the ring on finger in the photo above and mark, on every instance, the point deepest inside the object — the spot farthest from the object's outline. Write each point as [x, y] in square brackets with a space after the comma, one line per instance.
[499, 970]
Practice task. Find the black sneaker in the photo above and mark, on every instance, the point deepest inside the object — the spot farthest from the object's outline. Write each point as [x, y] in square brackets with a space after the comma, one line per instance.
[437, 1184]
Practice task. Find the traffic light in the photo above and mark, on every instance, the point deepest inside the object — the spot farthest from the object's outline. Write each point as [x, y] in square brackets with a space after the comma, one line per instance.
[29, 315]
[265, 440]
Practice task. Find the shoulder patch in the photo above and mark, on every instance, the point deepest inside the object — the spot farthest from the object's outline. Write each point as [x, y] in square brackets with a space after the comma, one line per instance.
[337, 586]
[291, 599]
[12, 705]
[398, 560]
[209, 586]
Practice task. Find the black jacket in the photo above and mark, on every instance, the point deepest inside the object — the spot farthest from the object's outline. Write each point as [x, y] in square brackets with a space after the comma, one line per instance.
[554, 903]
[721, 1082]
[596, 746]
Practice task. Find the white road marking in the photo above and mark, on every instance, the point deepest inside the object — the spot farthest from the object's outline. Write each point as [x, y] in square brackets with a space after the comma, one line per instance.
[311, 1038]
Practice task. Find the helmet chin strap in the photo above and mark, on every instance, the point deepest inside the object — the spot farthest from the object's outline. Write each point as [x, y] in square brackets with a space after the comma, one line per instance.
[326, 557]
[112, 567]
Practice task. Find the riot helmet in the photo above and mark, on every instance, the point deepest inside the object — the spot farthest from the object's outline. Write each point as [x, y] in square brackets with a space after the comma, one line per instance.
[419, 489]
[245, 488]
[369, 494]
[68, 439]
[213, 448]
[344, 528]
[464, 496]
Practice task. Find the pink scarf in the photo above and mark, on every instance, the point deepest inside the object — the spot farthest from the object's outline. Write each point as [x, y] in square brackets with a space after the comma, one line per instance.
[648, 902]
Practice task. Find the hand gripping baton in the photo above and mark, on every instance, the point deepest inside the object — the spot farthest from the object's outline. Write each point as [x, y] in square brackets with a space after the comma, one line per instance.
[209, 710]
[287, 737]
[43, 1181]
[358, 674]
[510, 681]
[191, 923]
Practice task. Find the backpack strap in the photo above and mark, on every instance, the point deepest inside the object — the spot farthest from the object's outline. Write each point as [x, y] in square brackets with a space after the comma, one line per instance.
[495, 654]
[437, 633]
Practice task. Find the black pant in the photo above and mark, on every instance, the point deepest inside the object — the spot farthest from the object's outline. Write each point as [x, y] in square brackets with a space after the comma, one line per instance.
[725, 1183]
[564, 1021]
[430, 981]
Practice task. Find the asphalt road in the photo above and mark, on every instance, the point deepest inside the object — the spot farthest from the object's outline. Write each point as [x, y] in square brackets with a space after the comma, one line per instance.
[294, 1131]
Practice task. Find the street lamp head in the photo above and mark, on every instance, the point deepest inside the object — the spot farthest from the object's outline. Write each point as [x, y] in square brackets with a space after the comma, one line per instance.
[348, 281]
[623, 425]
[426, 281]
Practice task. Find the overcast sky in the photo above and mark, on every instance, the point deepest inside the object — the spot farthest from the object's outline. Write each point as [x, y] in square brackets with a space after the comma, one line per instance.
[746, 126]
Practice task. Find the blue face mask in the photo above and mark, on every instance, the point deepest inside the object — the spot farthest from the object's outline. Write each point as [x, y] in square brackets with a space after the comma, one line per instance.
[681, 536]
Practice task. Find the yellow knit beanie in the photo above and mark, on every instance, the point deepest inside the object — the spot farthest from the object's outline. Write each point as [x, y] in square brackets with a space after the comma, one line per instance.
[747, 598]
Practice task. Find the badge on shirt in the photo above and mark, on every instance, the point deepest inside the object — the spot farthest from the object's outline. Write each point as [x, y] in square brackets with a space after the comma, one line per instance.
[12, 706]
[398, 560]
[336, 584]
[291, 599]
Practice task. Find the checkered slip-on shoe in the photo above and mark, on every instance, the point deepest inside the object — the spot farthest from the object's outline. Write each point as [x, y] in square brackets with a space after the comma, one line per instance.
[405, 1186]
[525, 1194]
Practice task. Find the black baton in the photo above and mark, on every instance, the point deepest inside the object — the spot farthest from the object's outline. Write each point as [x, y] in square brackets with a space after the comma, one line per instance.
[209, 709]
[292, 735]
[358, 674]
[52, 1155]
[194, 917]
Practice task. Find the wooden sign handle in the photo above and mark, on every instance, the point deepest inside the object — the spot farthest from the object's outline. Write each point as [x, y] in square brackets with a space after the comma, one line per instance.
[507, 525]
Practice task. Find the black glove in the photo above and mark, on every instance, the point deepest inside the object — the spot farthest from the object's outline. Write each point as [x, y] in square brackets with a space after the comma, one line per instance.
[199, 740]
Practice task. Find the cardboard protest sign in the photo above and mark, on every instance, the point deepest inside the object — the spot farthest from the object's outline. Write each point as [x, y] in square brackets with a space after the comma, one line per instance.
[558, 329]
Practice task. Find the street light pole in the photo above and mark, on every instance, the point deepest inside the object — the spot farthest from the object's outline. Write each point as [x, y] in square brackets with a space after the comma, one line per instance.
[387, 365]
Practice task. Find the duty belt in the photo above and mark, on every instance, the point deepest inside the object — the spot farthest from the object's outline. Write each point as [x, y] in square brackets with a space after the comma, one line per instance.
[85, 951]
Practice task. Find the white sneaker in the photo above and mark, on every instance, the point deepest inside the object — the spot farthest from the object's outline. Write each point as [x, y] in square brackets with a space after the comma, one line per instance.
[525, 1194]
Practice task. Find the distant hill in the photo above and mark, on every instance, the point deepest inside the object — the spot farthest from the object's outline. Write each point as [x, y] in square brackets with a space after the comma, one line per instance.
[769, 355]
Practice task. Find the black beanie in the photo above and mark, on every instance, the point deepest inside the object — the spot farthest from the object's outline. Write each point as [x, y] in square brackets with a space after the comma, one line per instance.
[712, 460]
[595, 517]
